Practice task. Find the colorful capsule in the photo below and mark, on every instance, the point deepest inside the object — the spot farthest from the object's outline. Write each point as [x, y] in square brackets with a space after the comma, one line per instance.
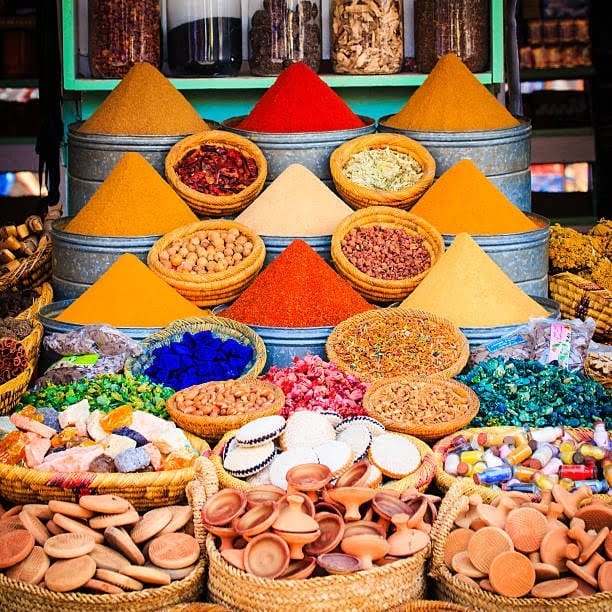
[494, 475]
[518, 455]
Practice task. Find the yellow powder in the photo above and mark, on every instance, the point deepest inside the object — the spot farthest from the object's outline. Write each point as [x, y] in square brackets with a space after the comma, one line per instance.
[296, 203]
[128, 294]
[133, 200]
[452, 99]
[145, 102]
[469, 288]
[463, 199]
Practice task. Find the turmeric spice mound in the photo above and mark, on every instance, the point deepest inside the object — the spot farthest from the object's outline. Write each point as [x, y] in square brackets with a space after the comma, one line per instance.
[463, 199]
[466, 286]
[128, 294]
[133, 200]
[452, 99]
[145, 102]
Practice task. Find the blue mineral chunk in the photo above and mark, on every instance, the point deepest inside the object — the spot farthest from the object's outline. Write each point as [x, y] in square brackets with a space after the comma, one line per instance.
[132, 459]
[50, 417]
[131, 433]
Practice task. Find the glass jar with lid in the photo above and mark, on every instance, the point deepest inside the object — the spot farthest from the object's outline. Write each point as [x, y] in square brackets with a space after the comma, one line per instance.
[367, 36]
[283, 32]
[121, 34]
[204, 37]
[462, 27]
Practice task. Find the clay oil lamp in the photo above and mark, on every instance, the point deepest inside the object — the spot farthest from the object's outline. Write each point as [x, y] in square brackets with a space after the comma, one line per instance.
[588, 543]
[554, 547]
[234, 556]
[413, 498]
[571, 501]
[223, 507]
[295, 526]
[356, 476]
[338, 563]
[257, 519]
[386, 505]
[266, 555]
[264, 493]
[359, 527]
[331, 527]
[406, 541]
[300, 569]
[227, 535]
[322, 506]
[308, 478]
[308, 506]
[595, 516]
[366, 547]
[351, 498]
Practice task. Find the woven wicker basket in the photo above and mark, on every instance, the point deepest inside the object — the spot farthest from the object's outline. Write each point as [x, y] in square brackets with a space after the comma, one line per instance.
[448, 587]
[419, 479]
[382, 588]
[215, 287]
[45, 296]
[435, 605]
[214, 427]
[581, 298]
[12, 390]
[358, 196]
[144, 490]
[209, 205]
[596, 374]
[219, 326]
[377, 403]
[362, 327]
[33, 271]
[378, 289]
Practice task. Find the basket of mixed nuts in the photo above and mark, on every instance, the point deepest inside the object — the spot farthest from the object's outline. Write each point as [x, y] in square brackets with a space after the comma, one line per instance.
[384, 253]
[382, 169]
[216, 172]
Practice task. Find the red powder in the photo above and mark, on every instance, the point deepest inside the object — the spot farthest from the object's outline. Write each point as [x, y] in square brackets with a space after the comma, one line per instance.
[298, 289]
[300, 101]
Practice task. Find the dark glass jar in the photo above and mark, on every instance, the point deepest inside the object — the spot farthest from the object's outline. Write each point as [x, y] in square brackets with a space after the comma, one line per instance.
[462, 27]
[204, 37]
[123, 33]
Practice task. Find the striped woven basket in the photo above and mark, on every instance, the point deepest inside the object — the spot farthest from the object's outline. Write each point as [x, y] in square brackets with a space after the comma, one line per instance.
[382, 588]
[380, 402]
[420, 478]
[222, 205]
[374, 330]
[12, 390]
[358, 196]
[450, 588]
[221, 327]
[212, 288]
[378, 289]
[45, 296]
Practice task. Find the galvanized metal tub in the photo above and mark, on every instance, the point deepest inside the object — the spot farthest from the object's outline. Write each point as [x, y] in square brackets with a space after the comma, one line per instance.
[275, 245]
[48, 314]
[78, 260]
[523, 256]
[484, 335]
[503, 155]
[311, 149]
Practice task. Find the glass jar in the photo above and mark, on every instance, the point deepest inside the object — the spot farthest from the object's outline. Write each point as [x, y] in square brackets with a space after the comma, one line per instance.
[204, 37]
[121, 34]
[367, 36]
[462, 27]
[283, 32]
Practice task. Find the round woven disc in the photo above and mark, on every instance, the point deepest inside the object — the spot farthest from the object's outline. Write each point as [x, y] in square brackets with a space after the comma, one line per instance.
[69, 545]
[15, 546]
[485, 545]
[554, 588]
[105, 504]
[69, 574]
[174, 550]
[512, 574]
[181, 515]
[456, 541]
[32, 569]
[526, 527]
[108, 558]
[151, 523]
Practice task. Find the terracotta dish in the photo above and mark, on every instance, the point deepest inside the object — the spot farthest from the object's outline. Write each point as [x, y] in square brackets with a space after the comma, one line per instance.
[266, 555]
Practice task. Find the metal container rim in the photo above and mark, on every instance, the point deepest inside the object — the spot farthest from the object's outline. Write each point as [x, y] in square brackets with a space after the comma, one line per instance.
[58, 225]
[504, 238]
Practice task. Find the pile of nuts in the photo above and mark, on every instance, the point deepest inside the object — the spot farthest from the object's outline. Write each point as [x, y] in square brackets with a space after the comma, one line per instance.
[206, 251]
[386, 253]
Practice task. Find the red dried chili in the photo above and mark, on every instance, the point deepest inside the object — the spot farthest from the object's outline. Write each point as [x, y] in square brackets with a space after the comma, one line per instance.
[216, 170]
[298, 289]
[300, 101]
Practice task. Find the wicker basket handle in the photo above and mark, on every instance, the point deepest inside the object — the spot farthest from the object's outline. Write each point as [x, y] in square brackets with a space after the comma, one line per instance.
[204, 485]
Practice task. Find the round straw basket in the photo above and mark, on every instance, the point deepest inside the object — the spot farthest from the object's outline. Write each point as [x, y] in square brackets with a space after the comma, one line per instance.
[418, 412]
[374, 338]
[434, 605]
[450, 588]
[219, 326]
[12, 390]
[378, 289]
[197, 606]
[32, 271]
[358, 196]
[45, 296]
[216, 205]
[598, 366]
[382, 588]
[214, 427]
[145, 490]
[212, 288]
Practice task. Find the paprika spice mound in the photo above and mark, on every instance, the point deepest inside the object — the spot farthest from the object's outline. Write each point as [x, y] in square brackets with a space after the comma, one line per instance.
[145, 102]
[300, 101]
[298, 289]
[463, 199]
[133, 200]
[466, 286]
[128, 294]
[452, 99]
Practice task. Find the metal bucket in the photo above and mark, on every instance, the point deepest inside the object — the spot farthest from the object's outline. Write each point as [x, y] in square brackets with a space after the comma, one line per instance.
[311, 149]
[78, 260]
[275, 245]
[483, 335]
[522, 256]
[503, 155]
[48, 314]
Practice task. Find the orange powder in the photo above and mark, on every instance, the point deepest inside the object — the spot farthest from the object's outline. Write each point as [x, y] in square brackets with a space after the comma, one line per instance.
[463, 199]
[145, 102]
[128, 294]
[452, 99]
[133, 200]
